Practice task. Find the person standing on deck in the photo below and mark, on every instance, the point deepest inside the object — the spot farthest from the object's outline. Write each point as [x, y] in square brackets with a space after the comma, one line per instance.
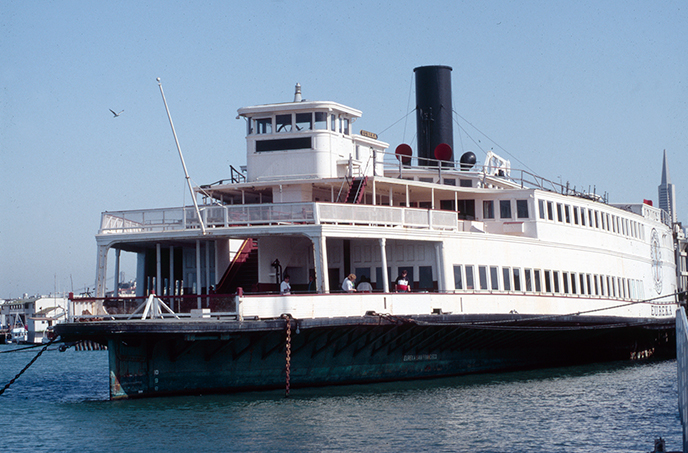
[348, 284]
[285, 287]
[402, 283]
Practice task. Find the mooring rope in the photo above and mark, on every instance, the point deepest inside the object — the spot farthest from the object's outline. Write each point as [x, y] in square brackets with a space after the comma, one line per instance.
[27, 366]
[21, 349]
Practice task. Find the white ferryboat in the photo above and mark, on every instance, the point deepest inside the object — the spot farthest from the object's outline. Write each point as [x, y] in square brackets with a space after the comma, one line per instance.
[504, 269]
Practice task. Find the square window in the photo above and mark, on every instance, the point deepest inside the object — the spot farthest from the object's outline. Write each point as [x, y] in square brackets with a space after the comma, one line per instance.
[304, 121]
[264, 125]
[283, 123]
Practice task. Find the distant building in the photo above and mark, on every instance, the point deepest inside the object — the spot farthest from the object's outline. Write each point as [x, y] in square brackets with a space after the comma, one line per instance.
[667, 192]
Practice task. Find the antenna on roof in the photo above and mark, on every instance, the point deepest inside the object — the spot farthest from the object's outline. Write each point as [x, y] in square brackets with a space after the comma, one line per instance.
[186, 173]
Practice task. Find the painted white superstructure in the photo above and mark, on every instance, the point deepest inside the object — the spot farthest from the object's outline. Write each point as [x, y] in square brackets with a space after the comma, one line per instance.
[488, 239]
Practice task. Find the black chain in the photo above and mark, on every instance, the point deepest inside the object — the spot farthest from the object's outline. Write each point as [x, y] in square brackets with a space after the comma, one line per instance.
[27, 366]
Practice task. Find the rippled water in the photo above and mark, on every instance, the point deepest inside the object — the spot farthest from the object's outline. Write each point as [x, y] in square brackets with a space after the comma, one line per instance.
[61, 405]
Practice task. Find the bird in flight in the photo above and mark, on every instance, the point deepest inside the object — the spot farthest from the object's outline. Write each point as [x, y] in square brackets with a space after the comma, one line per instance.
[116, 114]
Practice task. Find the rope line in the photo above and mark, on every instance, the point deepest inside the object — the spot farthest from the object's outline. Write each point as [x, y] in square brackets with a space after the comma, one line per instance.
[21, 349]
[27, 366]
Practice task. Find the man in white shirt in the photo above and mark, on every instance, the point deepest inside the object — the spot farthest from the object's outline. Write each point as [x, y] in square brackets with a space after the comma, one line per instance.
[285, 287]
[348, 284]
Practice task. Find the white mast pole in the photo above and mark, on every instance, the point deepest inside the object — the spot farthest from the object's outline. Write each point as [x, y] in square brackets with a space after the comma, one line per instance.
[186, 173]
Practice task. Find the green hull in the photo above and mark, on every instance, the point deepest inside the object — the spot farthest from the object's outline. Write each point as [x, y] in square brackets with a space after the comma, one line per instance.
[192, 357]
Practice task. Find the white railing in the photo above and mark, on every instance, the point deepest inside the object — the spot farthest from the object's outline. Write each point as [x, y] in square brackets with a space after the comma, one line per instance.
[173, 219]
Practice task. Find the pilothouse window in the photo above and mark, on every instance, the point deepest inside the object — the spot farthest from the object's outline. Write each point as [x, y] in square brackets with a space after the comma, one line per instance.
[283, 123]
[304, 121]
[264, 125]
[320, 120]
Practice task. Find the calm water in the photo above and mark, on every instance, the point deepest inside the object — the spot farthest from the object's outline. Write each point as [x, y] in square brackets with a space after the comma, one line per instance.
[61, 405]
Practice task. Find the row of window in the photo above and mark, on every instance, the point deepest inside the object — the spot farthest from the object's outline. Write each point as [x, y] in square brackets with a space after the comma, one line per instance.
[494, 278]
[564, 213]
[505, 209]
[294, 122]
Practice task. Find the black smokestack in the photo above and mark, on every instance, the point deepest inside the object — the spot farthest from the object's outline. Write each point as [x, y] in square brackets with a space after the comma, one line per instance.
[433, 111]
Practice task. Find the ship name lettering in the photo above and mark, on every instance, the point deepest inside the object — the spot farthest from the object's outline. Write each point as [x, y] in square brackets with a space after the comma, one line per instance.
[661, 310]
[415, 358]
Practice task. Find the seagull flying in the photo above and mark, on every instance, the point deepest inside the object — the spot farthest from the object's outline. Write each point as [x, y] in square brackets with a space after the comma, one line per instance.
[116, 114]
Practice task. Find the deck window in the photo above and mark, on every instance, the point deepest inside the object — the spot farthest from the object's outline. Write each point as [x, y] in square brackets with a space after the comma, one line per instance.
[626, 289]
[470, 284]
[345, 126]
[560, 214]
[320, 120]
[575, 215]
[550, 210]
[573, 283]
[567, 212]
[613, 286]
[536, 275]
[522, 209]
[304, 121]
[482, 275]
[466, 209]
[264, 125]
[529, 281]
[555, 277]
[504, 209]
[582, 284]
[588, 285]
[548, 282]
[565, 281]
[541, 208]
[283, 123]
[609, 286]
[488, 209]
[582, 212]
[494, 278]
[506, 277]
[517, 279]
[333, 122]
[597, 284]
[458, 280]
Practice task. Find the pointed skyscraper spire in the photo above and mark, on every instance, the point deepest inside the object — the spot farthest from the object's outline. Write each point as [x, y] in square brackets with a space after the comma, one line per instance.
[666, 179]
[666, 192]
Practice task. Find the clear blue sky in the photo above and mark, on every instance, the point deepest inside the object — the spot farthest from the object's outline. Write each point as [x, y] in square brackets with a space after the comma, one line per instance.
[589, 92]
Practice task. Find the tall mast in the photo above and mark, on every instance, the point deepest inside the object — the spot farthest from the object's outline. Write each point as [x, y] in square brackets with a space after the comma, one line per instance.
[181, 156]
